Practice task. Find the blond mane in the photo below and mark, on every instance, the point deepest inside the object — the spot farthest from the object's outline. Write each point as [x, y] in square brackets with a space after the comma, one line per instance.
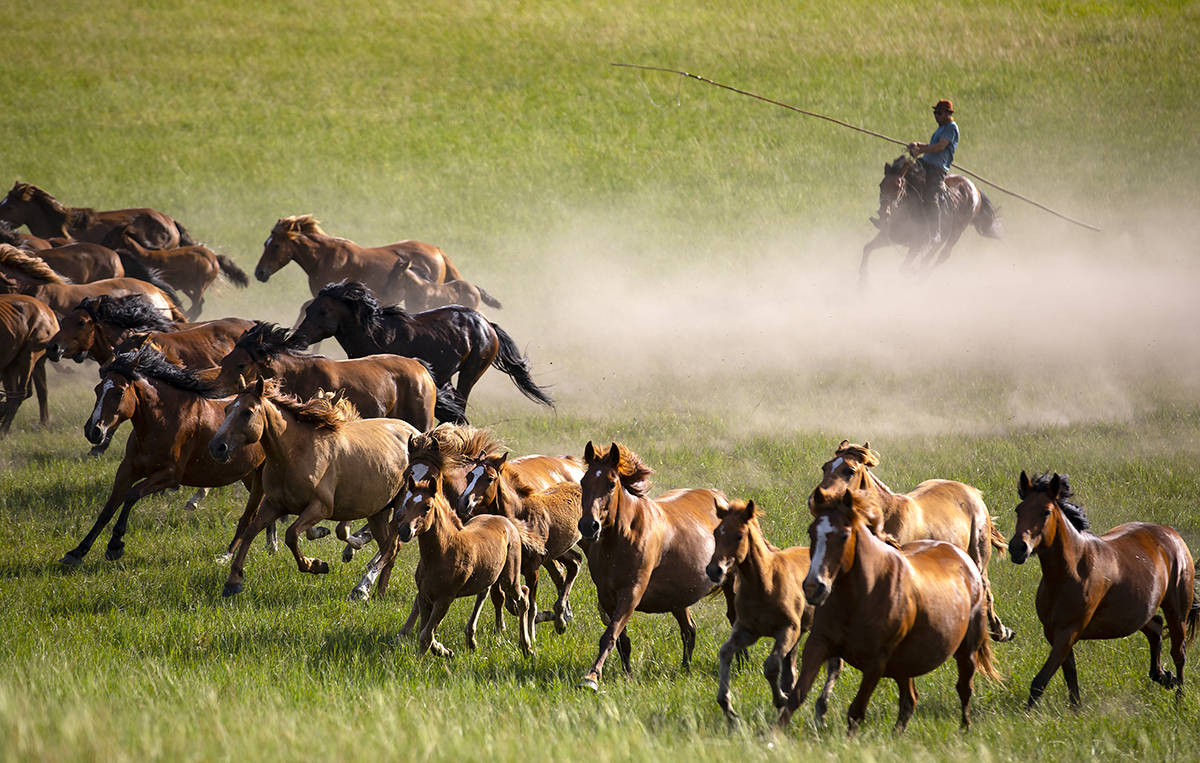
[863, 453]
[29, 266]
[634, 474]
[324, 410]
[299, 225]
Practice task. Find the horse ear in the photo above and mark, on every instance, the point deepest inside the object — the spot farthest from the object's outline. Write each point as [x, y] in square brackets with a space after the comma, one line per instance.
[720, 507]
[1023, 484]
[589, 452]
[259, 386]
[866, 445]
[614, 455]
[496, 460]
[847, 498]
[750, 509]
[843, 445]
[1055, 488]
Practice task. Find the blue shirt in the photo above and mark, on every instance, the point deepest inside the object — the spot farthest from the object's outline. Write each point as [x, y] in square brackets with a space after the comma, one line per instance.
[945, 157]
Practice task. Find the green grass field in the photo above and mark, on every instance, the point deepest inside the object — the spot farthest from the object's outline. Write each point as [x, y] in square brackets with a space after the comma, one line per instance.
[680, 264]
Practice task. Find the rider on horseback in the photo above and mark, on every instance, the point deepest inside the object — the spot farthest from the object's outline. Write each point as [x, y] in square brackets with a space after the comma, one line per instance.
[938, 156]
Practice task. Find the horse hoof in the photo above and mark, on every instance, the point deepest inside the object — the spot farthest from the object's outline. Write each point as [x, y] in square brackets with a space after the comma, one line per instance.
[348, 554]
[1006, 635]
[225, 558]
[589, 683]
[113, 553]
[319, 567]
[97, 451]
[231, 589]
[70, 560]
[316, 533]
[360, 594]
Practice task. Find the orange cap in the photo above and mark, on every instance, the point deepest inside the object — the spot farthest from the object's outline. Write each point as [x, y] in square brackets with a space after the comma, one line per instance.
[944, 105]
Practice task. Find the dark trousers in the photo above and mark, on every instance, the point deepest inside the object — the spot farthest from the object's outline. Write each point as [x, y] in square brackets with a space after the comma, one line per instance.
[935, 188]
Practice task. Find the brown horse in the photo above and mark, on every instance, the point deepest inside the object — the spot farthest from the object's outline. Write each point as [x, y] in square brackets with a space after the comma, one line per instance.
[9, 235]
[902, 218]
[474, 559]
[419, 293]
[23, 273]
[326, 259]
[643, 554]
[173, 420]
[768, 599]
[46, 217]
[935, 509]
[323, 462]
[1102, 587]
[83, 262]
[190, 269]
[26, 328]
[379, 386]
[891, 613]
[452, 339]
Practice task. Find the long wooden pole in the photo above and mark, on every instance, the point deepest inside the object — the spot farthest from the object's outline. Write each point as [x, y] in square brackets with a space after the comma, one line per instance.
[872, 133]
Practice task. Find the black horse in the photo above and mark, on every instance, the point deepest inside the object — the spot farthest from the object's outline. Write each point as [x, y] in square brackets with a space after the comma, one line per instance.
[452, 339]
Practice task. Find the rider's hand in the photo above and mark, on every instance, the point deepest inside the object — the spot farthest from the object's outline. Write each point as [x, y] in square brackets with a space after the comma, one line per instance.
[912, 147]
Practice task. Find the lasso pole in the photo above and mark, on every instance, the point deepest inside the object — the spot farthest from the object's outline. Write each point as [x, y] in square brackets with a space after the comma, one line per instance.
[872, 133]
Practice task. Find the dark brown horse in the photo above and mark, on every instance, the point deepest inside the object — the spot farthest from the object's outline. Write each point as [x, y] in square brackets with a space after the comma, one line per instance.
[419, 293]
[9, 235]
[452, 340]
[1102, 587]
[891, 613]
[327, 259]
[83, 262]
[173, 420]
[26, 328]
[643, 554]
[902, 217]
[935, 509]
[28, 205]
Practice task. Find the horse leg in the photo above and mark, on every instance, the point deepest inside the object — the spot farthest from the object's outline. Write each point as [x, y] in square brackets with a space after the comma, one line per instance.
[39, 386]
[1072, 679]
[1176, 619]
[833, 669]
[687, 634]
[473, 620]
[433, 617]
[254, 484]
[858, 706]
[266, 515]
[498, 604]
[123, 480]
[947, 246]
[356, 541]
[160, 480]
[814, 654]
[626, 601]
[413, 616]
[908, 703]
[880, 240]
[1153, 632]
[1060, 650]
[572, 561]
[738, 640]
[388, 546]
[193, 503]
[531, 586]
[779, 666]
[16, 388]
[966, 658]
[272, 539]
[314, 512]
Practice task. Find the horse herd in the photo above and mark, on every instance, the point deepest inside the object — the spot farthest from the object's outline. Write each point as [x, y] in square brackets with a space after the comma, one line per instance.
[894, 584]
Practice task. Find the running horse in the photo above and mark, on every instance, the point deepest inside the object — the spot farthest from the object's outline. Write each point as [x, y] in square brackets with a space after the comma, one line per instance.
[902, 217]
[936, 509]
[1102, 586]
[418, 293]
[46, 217]
[452, 339]
[890, 612]
[645, 554]
[26, 328]
[327, 259]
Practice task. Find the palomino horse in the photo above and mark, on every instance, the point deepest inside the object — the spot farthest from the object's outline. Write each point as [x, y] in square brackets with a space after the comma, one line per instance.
[30, 206]
[452, 339]
[474, 559]
[326, 259]
[190, 269]
[419, 293]
[768, 599]
[902, 219]
[26, 328]
[23, 273]
[322, 462]
[643, 554]
[935, 509]
[891, 613]
[173, 419]
[379, 386]
[1102, 587]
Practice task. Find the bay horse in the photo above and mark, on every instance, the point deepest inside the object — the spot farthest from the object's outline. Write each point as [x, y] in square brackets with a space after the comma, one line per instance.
[322, 462]
[419, 293]
[1102, 586]
[191, 269]
[452, 339]
[643, 554]
[902, 218]
[46, 217]
[83, 262]
[890, 612]
[769, 602]
[26, 327]
[327, 259]
[173, 418]
[11, 236]
[479, 557]
[379, 386]
[936, 509]
[23, 273]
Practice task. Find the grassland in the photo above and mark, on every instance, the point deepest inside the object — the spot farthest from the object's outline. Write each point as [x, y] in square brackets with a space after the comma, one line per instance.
[679, 262]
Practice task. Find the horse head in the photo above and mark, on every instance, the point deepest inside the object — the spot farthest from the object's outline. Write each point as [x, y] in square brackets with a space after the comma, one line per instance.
[898, 178]
[245, 422]
[483, 481]
[600, 483]
[731, 538]
[116, 401]
[78, 333]
[252, 354]
[1038, 522]
[319, 319]
[422, 489]
[286, 237]
[838, 517]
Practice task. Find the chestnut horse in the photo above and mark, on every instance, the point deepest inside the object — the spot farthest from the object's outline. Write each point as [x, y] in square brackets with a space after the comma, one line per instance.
[643, 554]
[322, 462]
[9, 235]
[902, 217]
[1102, 587]
[891, 613]
[768, 586]
[23, 273]
[83, 262]
[173, 419]
[28, 205]
[419, 293]
[935, 509]
[452, 339]
[326, 259]
[26, 328]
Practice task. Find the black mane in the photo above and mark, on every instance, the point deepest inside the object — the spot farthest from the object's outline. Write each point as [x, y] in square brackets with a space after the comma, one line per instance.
[129, 312]
[149, 363]
[370, 314]
[270, 340]
[1074, 513]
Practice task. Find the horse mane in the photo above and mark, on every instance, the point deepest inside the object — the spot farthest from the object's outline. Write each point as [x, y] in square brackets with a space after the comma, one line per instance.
[32, 267]
[149, 363]
[129, 312]
[366, 307]
[9, 235]
[323, 410]
[899, 165]
[269, 339]
[1073, 512]
[632, 471]
[301, 225]
[31, 193]
[869, 458]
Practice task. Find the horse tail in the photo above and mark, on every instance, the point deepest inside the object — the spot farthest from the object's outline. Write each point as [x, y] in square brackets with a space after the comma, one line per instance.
[1193, 621]
[135, 268]
[448, 408]
[488, 299]
[997, 537]
[987, 222]
[510, 360]
[185, 237]
[229, 268]
[985, 658]
[531, 543]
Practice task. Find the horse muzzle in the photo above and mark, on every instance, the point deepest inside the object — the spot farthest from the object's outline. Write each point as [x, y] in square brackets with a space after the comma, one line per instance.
[1018, 551]
[404, 533]
[816, 591]
[589, 529]
[95, 433]
[55, 352]
[220, 451]
[715, 572]
[262, 274]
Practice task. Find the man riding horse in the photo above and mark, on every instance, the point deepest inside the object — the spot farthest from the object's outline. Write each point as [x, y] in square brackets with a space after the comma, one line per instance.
[938, 155]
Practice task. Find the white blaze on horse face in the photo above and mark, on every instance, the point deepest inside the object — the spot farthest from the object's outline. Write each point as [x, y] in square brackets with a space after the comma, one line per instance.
[104, 390]
[420, 472]
[833, 465]
[824, 527]
[475, 475]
